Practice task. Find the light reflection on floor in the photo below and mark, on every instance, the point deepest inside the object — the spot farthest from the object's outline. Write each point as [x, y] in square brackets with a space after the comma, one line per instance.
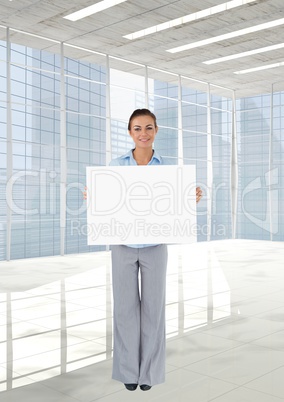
[225, 327]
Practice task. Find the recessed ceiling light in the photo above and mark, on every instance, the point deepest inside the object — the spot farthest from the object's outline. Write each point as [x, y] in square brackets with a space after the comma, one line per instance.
[252, 70]
[229, 35]
[245, 54]
[95, 8]
[188, 18]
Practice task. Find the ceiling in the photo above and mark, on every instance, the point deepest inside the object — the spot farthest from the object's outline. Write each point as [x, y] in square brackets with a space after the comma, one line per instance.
[103, 32]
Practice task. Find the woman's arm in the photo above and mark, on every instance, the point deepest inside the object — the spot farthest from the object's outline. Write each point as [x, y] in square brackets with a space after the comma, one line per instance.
[198, 194]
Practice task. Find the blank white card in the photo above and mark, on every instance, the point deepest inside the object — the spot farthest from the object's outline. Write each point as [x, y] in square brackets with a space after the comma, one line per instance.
[141, 204]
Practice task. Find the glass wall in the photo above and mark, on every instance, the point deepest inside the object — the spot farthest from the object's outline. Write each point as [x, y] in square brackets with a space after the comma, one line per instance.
[35, 107]
[260, 122]
[70, 108]
[127, 93]
[276, 191]
[221, 129]
[38, 143]
[196, 145]
[59, 110]
[253, 135]
[85, 91]
[3, 145]
[163, 100]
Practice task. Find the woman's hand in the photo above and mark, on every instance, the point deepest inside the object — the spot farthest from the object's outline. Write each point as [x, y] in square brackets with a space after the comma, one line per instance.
[198, 194]
[85, 193]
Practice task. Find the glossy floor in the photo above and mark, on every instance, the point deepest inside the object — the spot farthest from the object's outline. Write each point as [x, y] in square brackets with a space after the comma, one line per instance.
[225, 327]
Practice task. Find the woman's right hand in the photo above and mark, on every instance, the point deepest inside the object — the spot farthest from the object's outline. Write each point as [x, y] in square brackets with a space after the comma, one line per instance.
[85, 193]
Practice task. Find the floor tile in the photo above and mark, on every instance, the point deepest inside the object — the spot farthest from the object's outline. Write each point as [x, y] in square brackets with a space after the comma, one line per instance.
[241, 364]
[40, 344]
[276, 314]
[259, 308]
[88, 383]
[247, 329]
[196, 347]
[180, 386]
[243, 394]
[271, 383]
[34, 393]
[274, 341]
[21, 329]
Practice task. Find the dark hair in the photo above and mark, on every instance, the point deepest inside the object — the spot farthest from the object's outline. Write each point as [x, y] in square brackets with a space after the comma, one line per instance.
[141, 112]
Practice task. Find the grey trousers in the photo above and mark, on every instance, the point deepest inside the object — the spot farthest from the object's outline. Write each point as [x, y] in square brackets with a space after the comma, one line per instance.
[139, 319]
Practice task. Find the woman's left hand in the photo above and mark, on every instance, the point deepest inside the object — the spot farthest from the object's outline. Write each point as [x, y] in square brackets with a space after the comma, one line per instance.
[198, 194]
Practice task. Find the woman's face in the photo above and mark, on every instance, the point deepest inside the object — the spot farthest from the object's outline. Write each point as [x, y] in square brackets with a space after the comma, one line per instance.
[143, 131]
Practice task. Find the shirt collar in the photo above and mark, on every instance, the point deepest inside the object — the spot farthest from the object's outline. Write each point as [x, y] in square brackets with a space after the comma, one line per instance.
[129, 155]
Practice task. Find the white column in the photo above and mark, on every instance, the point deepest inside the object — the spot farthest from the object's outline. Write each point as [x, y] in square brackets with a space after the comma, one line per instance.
[108, 119]
[63, 330]
[146, 88]
[108, 321]
[180, 256]
[9, 151]
[234, 170]
[270, 167]
[63, 156]
[108, 114]
[180, 132]
[209, 165]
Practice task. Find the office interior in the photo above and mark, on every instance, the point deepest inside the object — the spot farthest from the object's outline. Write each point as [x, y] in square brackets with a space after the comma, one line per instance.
[212, 72]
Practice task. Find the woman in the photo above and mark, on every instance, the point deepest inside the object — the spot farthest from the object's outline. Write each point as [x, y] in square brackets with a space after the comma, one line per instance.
[139, 319]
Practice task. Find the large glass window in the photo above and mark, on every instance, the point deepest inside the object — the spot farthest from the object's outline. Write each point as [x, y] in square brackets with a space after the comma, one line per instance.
[195, 145]
[85, 89]
[221, 132]
[36, 145]
[127, 93]
[163, 99]
[277, 164]
[35, 103]
[253, 134]
[195, 127]
[3, 145]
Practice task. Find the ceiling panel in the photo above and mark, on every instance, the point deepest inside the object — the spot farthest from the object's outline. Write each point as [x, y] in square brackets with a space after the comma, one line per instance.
[103, 32]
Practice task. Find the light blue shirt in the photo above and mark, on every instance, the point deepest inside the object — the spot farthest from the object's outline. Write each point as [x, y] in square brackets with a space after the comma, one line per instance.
[128, 160]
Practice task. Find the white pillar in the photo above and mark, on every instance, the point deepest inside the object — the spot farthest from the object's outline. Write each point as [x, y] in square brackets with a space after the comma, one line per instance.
[180, 128]
[146, 88]
[209, 165]
[63, 155]
[108, 114]
[9, 173]
[234, 170]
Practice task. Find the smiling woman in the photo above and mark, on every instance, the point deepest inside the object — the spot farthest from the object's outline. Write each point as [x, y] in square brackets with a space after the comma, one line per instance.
[143, 129]
[139, 318]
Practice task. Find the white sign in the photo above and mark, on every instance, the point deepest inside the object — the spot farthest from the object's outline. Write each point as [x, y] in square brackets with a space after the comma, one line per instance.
[141, 204]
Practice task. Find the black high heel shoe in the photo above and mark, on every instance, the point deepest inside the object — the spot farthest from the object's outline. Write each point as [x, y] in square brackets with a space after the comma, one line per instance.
[131, 387]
